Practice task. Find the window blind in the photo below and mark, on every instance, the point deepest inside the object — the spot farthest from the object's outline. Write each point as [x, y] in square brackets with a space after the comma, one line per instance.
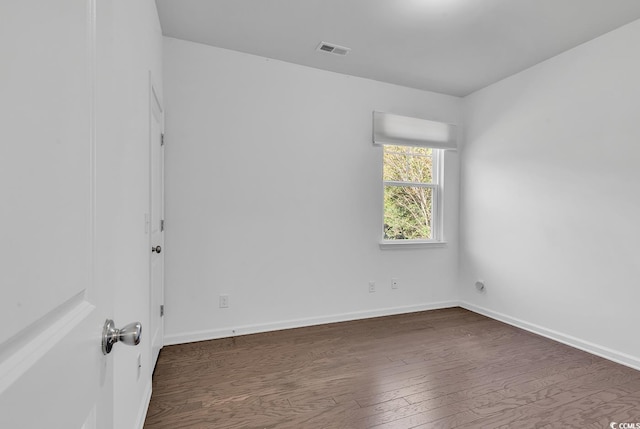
[406, 131]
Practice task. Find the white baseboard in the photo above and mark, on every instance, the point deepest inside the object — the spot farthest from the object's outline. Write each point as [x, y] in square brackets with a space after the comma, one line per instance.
[189, 337]
[604, 352]
[142, 413]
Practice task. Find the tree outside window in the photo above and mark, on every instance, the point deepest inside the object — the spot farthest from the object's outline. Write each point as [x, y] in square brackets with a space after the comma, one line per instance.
[409, 192]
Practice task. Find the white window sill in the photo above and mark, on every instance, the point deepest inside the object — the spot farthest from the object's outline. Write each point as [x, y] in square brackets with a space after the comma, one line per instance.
[410, 244]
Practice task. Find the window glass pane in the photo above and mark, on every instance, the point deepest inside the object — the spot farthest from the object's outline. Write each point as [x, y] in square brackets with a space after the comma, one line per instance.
[407, 213]
[408, 164]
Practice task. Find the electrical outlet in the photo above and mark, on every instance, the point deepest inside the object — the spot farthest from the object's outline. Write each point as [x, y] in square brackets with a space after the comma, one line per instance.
[224, 301]
[395, 283]
[372, 287]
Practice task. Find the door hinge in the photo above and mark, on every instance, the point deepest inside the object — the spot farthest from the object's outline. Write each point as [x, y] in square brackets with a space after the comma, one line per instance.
[162, 310]
[162, 139]
[161, 225]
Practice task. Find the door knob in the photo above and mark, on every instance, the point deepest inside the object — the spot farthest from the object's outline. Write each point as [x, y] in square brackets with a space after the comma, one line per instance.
[129, 335]
[156, 249]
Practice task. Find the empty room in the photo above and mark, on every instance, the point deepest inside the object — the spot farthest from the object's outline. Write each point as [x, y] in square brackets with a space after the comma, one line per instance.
[320, 214]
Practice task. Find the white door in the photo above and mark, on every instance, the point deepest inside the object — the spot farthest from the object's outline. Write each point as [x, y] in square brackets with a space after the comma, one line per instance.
[55, 237]
[156, 150]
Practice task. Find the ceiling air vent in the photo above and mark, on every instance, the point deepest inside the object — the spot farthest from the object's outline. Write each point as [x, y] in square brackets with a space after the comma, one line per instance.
[333, 49]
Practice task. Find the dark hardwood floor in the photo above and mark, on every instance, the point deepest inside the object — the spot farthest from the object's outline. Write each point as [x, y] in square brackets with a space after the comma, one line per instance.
[446, 368]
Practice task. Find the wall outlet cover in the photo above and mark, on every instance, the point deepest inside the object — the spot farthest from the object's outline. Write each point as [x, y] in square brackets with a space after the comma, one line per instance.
[224, 301]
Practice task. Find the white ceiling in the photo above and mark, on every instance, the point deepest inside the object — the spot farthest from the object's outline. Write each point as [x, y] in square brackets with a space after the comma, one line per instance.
[449, 46]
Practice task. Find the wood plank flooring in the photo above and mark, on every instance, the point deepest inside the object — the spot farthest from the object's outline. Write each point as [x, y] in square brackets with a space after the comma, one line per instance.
[446, 368]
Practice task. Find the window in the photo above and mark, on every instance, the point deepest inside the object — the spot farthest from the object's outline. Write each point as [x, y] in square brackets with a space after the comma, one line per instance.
[411, 193]
[413, 152]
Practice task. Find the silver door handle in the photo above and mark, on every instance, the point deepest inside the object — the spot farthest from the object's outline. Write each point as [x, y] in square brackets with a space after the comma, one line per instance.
[129, 335]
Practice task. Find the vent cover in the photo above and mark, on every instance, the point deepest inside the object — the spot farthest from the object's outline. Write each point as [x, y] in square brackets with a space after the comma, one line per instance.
[331, 48]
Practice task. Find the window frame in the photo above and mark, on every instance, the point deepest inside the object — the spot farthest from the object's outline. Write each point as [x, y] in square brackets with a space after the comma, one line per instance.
[437, 207]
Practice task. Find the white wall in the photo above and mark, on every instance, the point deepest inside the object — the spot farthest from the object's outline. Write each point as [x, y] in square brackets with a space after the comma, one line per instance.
[550, 197]
[274, 197]
[130, 41]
